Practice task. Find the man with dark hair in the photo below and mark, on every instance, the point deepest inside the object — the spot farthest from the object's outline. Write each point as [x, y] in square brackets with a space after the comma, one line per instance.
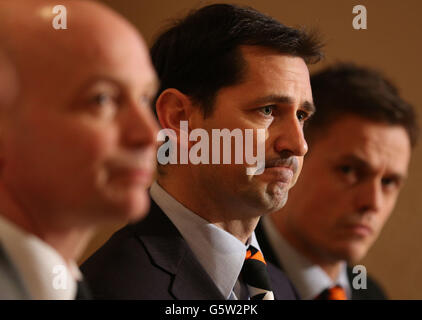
[222, 67]
[208, 44]
[360, 146]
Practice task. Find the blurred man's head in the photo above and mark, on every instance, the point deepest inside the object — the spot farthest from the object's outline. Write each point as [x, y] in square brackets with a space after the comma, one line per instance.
[360, 145]
[229, 67]
[79, 142]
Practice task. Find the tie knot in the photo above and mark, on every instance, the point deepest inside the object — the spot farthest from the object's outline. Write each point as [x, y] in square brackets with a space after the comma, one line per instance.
[255, 275]
[334, 293]
[253, 253]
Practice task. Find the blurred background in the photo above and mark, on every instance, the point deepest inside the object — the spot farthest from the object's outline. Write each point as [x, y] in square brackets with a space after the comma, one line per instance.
[392, 44]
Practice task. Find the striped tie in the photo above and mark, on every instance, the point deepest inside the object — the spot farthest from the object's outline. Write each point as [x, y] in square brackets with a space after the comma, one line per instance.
[333, 293]
[255, 275]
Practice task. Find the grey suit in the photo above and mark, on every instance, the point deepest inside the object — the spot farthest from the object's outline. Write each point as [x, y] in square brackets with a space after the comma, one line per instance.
[11, 286]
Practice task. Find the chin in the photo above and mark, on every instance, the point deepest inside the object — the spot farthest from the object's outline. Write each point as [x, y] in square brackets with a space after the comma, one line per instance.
[352, 253]
[278, 196]
[280, 202]
[137, 207]
[126, 207]
[271, 202]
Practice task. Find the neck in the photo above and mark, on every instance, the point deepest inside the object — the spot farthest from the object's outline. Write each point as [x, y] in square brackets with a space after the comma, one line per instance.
[68, 241]
[332, 269]
[202, 203]
[329, 265]
[70, 244]
[241, 229]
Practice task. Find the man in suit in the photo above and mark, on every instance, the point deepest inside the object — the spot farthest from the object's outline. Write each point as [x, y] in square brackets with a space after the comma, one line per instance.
[77, 142]
[360, 146]
[221, 67]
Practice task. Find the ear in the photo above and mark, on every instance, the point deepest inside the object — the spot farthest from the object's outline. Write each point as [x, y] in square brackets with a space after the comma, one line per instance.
[172, 107]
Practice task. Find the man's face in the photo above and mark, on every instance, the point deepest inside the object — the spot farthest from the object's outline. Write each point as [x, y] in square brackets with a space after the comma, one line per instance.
[348, 188]
[82, 138]
[275, 95]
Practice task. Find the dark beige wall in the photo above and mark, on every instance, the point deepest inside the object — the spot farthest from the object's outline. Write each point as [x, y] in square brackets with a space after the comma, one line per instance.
[391, 43]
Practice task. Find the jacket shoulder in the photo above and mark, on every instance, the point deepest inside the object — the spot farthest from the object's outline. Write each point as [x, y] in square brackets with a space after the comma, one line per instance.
[282, 287]
[373, 291]
[123, 269]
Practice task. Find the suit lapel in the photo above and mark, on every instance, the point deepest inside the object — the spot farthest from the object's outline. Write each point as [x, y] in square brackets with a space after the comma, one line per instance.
[192, 282]
[170, 252]
[265, 246]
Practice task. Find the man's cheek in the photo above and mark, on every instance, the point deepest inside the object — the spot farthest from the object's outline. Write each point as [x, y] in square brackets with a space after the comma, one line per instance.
[96, 145]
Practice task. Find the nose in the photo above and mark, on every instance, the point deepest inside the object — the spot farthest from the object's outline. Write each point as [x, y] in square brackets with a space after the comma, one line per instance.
[290, 139]
[139, 126]
[369, 197]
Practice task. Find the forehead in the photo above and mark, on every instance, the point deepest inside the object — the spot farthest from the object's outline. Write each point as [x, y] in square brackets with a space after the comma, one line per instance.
[268, 75]
[379, 145]
[266, 68]
[123, 56]
[124, 60]
[61, 61]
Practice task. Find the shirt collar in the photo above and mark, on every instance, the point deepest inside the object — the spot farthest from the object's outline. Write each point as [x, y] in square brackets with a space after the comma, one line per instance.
[43, 270]
[308, 278]
[220, 253]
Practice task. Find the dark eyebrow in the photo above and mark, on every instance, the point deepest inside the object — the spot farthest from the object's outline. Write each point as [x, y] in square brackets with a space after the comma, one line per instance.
[357, 161]
[309, 107]
[273, 98]
[362, 163]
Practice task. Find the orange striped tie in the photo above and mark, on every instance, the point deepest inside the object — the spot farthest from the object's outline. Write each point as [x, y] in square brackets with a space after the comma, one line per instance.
[333, 293]
[255, 275]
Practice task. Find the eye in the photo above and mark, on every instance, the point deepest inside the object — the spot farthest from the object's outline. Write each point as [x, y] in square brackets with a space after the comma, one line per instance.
[348, 174]
[145, 100]
[102, 99]
[103, 105]
[267, 110]
[302, 115]
[346, 169]
[389, 183]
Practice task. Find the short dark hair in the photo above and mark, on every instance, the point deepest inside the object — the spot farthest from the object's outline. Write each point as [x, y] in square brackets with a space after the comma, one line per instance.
[200, 54]
[345, 88]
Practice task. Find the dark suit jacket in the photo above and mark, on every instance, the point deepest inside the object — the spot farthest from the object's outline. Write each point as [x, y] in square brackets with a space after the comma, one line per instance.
[372, 292]
[151, 260]
[11, 284]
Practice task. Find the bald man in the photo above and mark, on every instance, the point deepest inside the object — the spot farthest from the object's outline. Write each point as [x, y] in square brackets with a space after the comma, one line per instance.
[77, 144]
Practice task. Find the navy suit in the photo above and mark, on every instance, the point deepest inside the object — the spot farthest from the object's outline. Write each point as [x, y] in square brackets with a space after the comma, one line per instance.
[372, 292]
[151, 260]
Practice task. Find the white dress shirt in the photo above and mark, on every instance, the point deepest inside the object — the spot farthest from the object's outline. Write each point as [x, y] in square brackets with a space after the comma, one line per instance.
[43, 271]
[219, 252]
[309, 279]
